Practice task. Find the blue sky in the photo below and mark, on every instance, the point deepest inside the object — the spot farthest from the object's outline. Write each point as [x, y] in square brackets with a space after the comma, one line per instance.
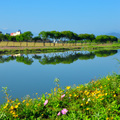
[79, 16]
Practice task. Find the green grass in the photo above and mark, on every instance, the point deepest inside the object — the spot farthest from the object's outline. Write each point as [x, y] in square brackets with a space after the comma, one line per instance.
[95, 100]
[88, 47]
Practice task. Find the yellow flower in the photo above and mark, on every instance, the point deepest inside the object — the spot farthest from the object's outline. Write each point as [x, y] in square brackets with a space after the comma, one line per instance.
[101, 98]
[46, 93]
[87, 108]
[13, 112]
[36, 93]
[70, 95]
[23, 101]
[5, 106]
[97, 97]
[105, 93]
[30, 100]
[114, 95]
[39, 98]
[108, 78]
[75, 95]
[16, 106]
[107, 118]
[12, 101]
[12, 107]
[101, 87]
[82, 104]
[15, 116]
[68, 87]
[78, 87]
[18, 103]
[8, 100]
[54, 89]
[27, 104]
[87, 102]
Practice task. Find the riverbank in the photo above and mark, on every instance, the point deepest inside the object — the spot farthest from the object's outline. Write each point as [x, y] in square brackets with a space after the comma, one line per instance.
[22, 49]
[98, 99]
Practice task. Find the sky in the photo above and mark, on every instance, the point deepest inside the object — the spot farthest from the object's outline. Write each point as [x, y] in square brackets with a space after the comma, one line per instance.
[80, 16]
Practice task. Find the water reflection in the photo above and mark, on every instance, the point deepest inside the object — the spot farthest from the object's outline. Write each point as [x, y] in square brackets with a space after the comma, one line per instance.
[56, 58]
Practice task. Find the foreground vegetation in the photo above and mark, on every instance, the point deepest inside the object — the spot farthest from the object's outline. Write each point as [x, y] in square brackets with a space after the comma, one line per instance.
[96, 100]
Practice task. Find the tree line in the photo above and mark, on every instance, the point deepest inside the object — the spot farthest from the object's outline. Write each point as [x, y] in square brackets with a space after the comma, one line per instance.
[63, 36]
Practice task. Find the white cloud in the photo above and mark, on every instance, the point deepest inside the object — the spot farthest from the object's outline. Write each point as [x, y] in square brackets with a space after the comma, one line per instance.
[4, 28]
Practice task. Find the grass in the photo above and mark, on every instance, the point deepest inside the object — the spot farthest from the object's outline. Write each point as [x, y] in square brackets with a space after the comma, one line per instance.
[42, 49]
[96, 100]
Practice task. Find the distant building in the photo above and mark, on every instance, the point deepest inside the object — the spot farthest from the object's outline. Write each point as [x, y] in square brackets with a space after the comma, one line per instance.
[16, 33]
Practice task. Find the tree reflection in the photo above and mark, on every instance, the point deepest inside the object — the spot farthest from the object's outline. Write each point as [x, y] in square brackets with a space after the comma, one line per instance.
[105, 53]
[57, 58]
[25, 60]
[70, 58]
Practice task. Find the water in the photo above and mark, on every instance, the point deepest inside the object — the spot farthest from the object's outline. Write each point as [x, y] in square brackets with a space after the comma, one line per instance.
[30, 74]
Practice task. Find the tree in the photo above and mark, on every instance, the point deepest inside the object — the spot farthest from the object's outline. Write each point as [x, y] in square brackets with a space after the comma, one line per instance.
[102, 38]
[86, 37]
[36, 38]
[2, 37]
[68, 35]
[20, 38]
[55, 35]
[27, 35]
[43, 35]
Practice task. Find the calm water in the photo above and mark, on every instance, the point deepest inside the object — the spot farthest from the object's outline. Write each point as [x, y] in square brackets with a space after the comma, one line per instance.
[30, 74]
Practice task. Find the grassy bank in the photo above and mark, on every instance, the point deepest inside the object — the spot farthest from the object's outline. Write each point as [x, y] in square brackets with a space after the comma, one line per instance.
[96, 100]
[27, 50]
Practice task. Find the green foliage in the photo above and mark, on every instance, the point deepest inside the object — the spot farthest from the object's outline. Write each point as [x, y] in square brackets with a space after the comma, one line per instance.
[2, 37]
[86, 37]
[44, 35]
[95, 100]
[105, 53]
[27, 35]
[36, 38]
[105, 38]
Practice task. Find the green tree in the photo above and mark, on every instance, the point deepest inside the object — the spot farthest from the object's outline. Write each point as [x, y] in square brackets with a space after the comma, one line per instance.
[68, 35]
[102, 38]
[2, 37]
[27, 35]
[86, 36]
[44, 35]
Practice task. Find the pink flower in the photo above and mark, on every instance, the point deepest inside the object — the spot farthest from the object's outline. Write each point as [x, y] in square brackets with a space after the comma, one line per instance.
[64, 111]
[58, 114]
[45, 103]
[63, 96]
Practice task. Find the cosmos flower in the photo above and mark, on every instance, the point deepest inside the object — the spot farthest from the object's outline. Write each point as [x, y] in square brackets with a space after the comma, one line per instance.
[45, 103]
[64, 111]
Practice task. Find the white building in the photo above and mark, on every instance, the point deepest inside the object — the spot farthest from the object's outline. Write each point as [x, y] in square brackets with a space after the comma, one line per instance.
[16, 33]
